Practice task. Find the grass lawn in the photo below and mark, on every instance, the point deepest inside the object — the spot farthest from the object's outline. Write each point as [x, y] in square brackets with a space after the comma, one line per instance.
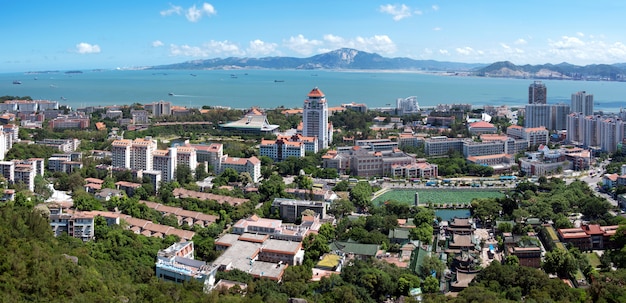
[594, 260]
[436, 196]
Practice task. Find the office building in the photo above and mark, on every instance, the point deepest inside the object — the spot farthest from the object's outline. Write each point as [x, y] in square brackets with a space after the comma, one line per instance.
[290, 210]
[582, 103]
[537, 93]
[315, 118]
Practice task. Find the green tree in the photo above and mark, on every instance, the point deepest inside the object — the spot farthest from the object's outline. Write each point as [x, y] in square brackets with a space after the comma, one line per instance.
[361, 195]
[183, 174]
[341, 207]
[42, 187]
[201, 172]
[271, 188]
[429, 265]
[430, 285]
[559, 262]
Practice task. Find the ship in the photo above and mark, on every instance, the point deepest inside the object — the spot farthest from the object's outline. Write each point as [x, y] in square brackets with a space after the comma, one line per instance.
[279, 80]
[17, 82]
[171, 94]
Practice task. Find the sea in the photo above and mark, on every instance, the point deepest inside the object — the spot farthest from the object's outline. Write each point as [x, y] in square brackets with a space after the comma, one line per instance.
[289, 88]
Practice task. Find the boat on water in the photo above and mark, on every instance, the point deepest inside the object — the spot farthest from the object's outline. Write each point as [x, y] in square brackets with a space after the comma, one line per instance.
[17, 82]
[171, 94]
[233, 76]
[279, 80]
[63, 98]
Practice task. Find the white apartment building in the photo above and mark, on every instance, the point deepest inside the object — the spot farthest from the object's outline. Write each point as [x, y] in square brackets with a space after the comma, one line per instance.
[186, 156]
[165, 162]
[250, 165]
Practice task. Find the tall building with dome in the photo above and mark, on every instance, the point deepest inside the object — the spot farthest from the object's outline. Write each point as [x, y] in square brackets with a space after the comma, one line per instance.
[315, 118]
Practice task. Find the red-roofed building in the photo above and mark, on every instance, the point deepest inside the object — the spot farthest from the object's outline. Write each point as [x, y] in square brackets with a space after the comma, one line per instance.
[482, 127]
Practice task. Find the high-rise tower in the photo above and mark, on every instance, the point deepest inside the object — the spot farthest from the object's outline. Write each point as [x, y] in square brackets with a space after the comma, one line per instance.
[582, 103]
[537, 93]
[315, 118]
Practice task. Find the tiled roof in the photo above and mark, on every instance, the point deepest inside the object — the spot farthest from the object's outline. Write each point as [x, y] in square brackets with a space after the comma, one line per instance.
[316, 93]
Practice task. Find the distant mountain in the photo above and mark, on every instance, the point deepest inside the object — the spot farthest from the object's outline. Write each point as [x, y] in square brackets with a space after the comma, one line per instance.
[344, 58]
[506, 69]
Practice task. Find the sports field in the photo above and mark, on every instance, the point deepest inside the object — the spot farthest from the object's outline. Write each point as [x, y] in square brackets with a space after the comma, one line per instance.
[436, 196]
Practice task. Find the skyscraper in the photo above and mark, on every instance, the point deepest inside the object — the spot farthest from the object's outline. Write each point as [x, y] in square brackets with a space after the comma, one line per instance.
[537, 93]
[537, 115]
[558, 117]
[315, 118]
[582, 103]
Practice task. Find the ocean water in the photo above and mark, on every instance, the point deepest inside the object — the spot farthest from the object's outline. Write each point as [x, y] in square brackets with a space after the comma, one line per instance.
[288, 88]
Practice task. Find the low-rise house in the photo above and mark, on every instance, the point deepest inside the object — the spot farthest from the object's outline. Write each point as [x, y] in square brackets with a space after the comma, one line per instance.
[177, 264]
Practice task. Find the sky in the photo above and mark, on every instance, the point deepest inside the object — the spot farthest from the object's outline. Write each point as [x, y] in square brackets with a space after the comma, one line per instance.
[65, 35]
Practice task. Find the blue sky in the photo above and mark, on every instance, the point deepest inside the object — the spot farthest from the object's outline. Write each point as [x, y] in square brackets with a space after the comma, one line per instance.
[47, 35]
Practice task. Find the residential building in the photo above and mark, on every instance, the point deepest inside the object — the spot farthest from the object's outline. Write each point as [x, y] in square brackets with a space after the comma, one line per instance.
[69, 121]
[472, 148]
[537, 115]
[158, 109]
[419, 169]
[154, 176]
[185, 193]
[537, 93]
[165, 162]
[139, 116]
[63, 145]
[358, 107]
[190, 218]
[558, 116]
[533, 135]
[177, 264]
[186, 156]
[288, 146]
[135, 154]
[406, 106]
[75, 224]
[582, 103]
[441, 145]
[250, 165]
[315, 118]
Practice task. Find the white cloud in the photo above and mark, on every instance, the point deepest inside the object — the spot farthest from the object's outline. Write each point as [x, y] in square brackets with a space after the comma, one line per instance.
[579, 34]
[302, 45]
[208, 49]
[381, 44]
[157, 43]
[567, 43]
[435, 7]
[464, 50]
[520, 41]
[398, 12]
[586, 50]
[418, 12]
[193, 13]
[172, 10]
[444, 52]
[86, 48]
[258, 47]
[505, 46]
[437, 28]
